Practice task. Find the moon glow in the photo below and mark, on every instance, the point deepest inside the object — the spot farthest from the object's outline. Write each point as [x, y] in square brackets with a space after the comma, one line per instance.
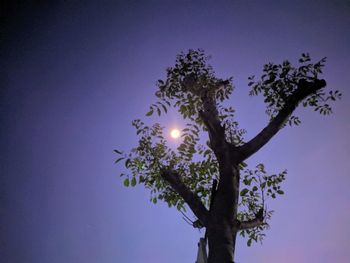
[175, 133]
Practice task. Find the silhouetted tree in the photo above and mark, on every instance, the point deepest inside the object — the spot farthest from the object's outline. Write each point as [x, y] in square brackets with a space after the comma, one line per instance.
[186, 175]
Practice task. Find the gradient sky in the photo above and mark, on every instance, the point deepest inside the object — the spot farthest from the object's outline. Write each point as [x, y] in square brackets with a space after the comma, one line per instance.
[75, 73]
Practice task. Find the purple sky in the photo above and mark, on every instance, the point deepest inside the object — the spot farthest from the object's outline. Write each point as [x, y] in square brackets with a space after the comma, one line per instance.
[73, 76]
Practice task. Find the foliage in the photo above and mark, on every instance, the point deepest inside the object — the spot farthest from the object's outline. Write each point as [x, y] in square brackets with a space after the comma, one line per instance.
[152, 154]
[258, 187]
[195, 161]
[183, 89]
[279, 81]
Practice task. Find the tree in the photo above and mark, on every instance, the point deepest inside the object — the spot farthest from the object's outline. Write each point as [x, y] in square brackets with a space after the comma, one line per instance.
[211, 177]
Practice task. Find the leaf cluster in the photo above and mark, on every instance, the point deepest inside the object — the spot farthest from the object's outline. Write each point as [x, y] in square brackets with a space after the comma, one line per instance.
[186, 82]
[280, 81]
[258, 186]
[146, 161]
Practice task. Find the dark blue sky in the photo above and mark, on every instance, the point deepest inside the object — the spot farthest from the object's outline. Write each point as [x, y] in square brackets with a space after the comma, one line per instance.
[75, 73]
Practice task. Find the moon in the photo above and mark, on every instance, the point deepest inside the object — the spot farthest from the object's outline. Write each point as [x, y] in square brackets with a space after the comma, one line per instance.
[175, 133]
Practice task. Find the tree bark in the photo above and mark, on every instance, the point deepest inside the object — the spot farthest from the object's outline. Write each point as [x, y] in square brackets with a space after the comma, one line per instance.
[221, 239]
[222, 224]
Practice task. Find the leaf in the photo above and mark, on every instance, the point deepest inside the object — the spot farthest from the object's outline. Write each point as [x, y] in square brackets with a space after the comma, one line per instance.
[183, 109]
[247, 181]
[150, 112]
[178, 206]
[244, 192]
[127, 163]
[154, 200]
[133, 181]
[119, 159]
[207, 152]
[118, 152]
[164, 108]
[126, 182]
[243, 164]
[249, 242]
[280, 192]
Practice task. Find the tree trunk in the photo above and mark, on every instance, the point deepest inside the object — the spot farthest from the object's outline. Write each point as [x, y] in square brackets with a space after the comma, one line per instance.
[221, 239]
[222, 227]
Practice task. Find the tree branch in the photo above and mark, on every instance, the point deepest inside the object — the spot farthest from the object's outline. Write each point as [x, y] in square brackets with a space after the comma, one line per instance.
[209, 114]
[257, 221]
[210, 117]
[305, 88]
[250, 224]
[173, 178]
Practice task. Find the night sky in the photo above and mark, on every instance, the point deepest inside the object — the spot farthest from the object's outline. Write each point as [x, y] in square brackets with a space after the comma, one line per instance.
[73, 74]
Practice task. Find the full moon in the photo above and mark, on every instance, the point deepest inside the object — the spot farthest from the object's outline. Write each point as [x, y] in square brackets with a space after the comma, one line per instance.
[175, 133]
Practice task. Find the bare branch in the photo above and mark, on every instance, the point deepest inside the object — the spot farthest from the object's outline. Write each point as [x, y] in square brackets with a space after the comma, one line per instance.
[305, 88]
[173, 178]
